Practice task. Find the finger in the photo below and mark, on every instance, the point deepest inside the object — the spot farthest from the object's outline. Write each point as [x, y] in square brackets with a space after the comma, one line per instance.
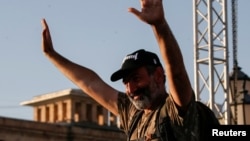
[135, 12]
[46, 39]
[44, 24]
[46, 32]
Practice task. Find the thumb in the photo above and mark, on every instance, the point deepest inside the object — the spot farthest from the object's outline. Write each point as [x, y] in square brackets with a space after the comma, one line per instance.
[135, 12]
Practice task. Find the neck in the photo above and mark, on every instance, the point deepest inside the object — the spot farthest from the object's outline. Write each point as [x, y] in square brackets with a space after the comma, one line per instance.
[156, 103]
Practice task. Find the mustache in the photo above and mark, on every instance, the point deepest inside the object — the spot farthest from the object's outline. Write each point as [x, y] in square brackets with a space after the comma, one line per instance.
[139, 91]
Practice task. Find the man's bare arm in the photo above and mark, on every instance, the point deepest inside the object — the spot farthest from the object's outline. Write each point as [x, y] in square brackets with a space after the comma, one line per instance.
[84, 78]
[152, 13]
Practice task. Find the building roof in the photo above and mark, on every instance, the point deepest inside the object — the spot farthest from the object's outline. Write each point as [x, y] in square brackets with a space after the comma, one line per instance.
[54, 95]
[240, 74]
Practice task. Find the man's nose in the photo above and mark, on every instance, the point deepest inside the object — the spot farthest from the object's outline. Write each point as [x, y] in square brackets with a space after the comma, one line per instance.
[130, 87]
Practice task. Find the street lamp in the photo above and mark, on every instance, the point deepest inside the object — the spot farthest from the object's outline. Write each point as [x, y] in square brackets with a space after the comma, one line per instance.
[240, 97]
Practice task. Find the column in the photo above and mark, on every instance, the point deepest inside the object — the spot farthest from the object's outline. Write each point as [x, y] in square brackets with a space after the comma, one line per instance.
[43, 113]
[60, 111]
[51, 113]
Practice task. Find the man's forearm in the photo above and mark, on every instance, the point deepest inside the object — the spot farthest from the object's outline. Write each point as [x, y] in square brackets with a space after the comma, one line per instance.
[177, 77]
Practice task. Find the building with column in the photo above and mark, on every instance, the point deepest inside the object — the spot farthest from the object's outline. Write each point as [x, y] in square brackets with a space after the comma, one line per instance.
[69, 106]
[66, 115]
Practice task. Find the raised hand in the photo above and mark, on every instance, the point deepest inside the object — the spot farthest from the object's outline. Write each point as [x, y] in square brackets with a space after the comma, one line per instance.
[151, 12]
[47, 45]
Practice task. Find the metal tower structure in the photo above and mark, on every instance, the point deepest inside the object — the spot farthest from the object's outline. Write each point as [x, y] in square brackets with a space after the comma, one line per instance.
[234, 93]
[211, 76]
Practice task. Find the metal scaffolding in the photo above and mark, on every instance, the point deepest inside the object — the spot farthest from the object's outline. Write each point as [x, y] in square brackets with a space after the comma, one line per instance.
[211, 71]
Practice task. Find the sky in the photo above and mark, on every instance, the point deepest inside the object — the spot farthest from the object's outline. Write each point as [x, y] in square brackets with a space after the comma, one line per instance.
[96, 34]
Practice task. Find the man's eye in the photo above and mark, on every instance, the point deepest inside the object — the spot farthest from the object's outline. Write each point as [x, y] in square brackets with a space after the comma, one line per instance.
[136, 78]
[132, 78]
[125, 81]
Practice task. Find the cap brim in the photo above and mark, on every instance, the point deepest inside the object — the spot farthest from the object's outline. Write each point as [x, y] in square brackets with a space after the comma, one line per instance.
[119, 74]
[126, 68]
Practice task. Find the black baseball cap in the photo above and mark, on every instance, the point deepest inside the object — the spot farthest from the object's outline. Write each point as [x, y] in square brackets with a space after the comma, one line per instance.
[135, 60]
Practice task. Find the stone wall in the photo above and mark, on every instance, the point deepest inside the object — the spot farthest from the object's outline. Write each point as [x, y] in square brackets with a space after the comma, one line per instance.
[23, 130]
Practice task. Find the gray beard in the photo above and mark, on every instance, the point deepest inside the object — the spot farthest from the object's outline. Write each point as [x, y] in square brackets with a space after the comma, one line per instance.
[146, 99]
[142, 103]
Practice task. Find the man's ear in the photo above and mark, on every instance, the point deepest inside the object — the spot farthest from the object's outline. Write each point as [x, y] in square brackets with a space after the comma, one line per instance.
[159, 75]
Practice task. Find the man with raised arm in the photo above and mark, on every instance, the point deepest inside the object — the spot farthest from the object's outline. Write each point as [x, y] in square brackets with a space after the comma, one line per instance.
[145, 98]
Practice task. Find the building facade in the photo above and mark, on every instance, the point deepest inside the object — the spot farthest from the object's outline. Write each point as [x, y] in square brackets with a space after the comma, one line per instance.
[70, 106]
[21, 130]
[66, 115]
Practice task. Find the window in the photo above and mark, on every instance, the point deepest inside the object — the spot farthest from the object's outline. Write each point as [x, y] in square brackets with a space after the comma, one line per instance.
[78, 116]
[100, 115]
[55, 112]
[47, 114]
[112, 119]
[64, 110]
[89, 112]
[38, 114]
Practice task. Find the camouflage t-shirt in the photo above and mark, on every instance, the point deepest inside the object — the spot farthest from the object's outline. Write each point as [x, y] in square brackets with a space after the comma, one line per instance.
[184, 128]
